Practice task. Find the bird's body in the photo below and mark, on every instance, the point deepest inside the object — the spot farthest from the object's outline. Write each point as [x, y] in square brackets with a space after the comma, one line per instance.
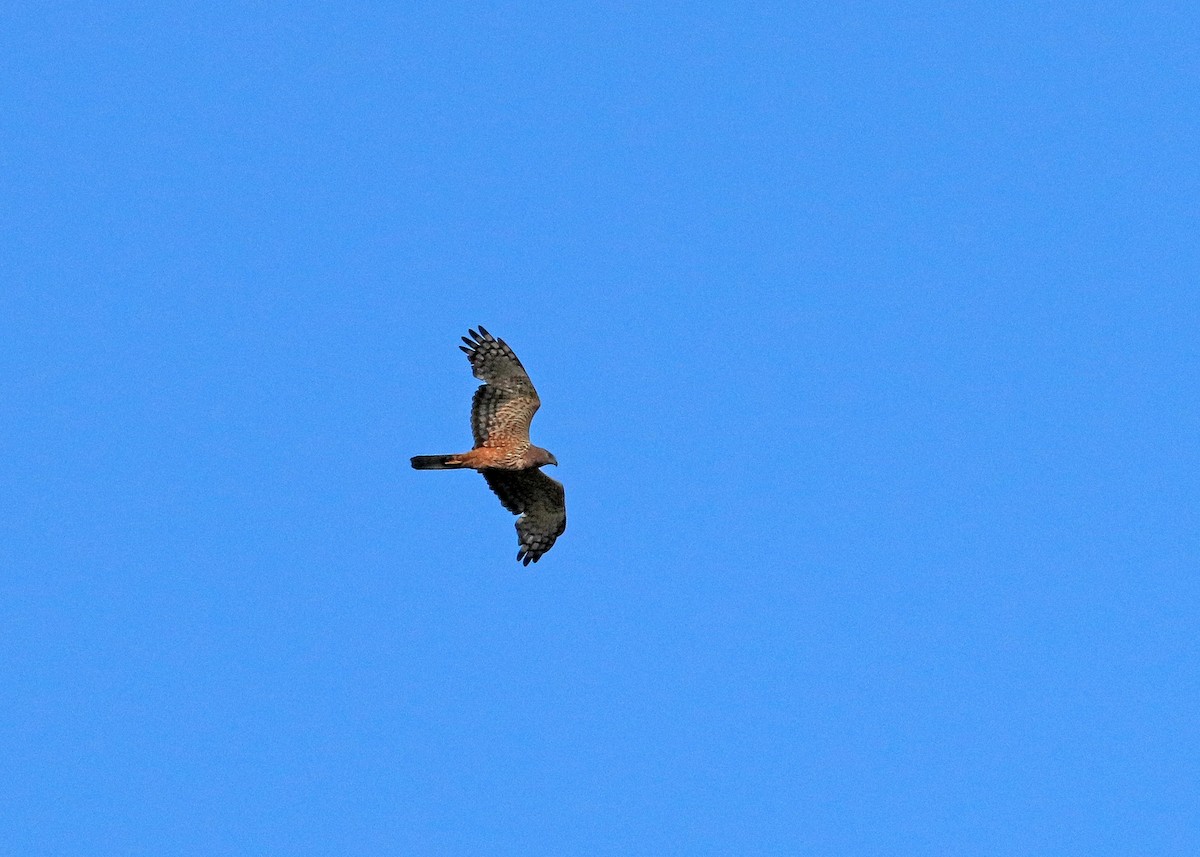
[514, 457]
[501, 412]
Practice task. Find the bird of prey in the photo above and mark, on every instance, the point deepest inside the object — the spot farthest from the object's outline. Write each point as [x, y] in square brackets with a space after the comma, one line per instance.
[501, 412]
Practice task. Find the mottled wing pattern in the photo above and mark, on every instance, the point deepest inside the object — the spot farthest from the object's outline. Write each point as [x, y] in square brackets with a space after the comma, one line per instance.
[541, 503]
[504, 406]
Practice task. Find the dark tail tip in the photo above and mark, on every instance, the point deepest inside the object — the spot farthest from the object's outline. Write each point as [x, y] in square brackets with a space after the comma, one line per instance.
[433, 462]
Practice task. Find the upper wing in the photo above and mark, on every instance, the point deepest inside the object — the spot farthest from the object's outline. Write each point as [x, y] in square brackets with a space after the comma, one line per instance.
[541, 503]
[504, 406]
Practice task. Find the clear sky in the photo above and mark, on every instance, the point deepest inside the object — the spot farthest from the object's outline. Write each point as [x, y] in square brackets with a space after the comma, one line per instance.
[867, 338]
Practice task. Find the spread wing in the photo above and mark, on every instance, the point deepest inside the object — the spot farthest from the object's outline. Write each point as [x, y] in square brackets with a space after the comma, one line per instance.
[504, 406]
[541, 503]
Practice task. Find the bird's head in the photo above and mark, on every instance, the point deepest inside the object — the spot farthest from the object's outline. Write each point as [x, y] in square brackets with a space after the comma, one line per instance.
[544, 456]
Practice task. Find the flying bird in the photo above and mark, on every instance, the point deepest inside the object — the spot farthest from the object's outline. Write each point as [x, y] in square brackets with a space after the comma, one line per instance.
[501, 412]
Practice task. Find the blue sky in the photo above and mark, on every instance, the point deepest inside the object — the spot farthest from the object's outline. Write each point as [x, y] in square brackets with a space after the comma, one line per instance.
[866, 335]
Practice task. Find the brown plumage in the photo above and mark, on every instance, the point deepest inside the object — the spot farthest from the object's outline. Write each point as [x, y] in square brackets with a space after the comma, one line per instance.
[501, 412]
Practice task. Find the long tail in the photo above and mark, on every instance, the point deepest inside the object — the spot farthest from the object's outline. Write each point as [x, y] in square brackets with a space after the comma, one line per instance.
[436, 462]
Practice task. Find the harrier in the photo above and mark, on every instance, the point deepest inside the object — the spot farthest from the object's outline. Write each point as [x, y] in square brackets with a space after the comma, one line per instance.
[501, 412]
